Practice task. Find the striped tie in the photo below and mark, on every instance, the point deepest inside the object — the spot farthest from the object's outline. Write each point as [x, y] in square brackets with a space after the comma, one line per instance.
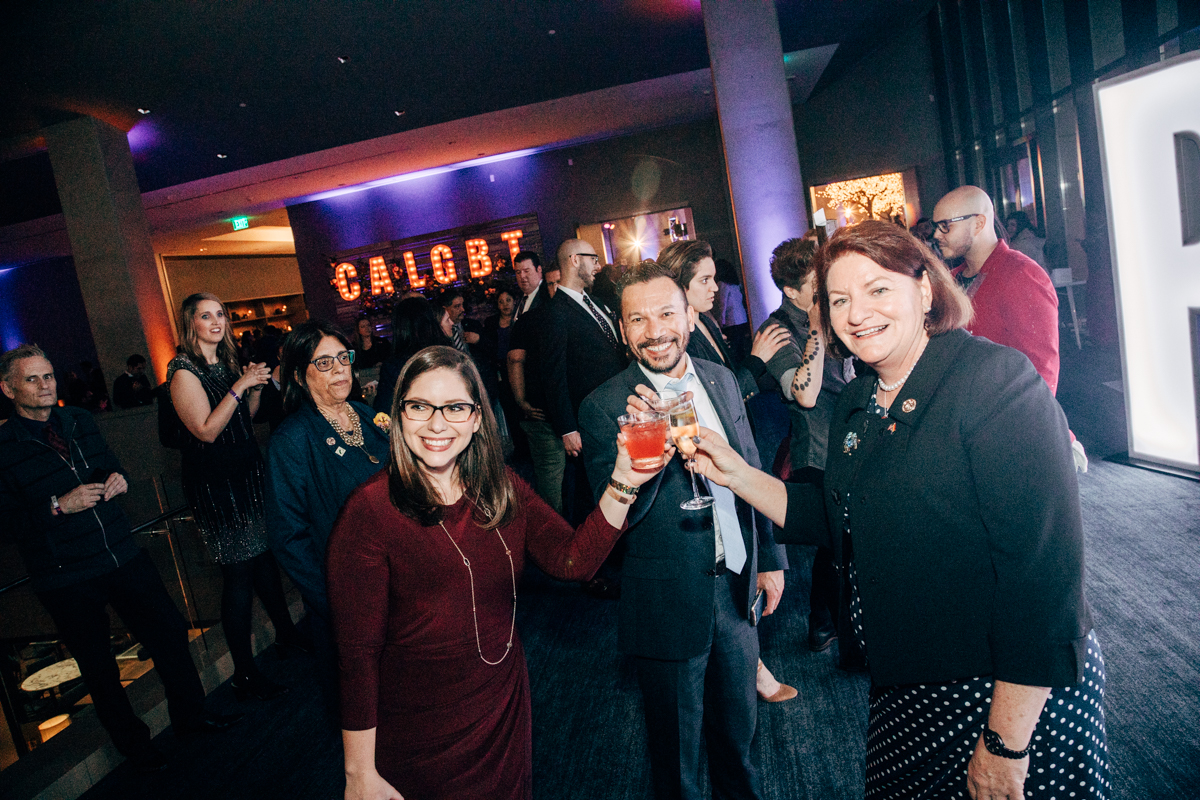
[459, 341]
[602, 320]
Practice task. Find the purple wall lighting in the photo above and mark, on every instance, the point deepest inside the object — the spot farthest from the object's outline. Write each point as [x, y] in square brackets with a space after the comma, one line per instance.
[41, 303]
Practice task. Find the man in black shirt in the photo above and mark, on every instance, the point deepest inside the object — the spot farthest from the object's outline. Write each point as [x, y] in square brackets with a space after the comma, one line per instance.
[132, 388]
[58, 480]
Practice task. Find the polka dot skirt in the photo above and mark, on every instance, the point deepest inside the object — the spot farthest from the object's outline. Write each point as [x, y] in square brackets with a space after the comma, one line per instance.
[920, 738]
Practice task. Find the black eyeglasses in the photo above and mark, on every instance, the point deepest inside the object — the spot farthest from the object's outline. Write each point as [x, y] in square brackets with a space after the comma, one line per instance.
[943, 225]
[589, 255]
[325, 363]
[420, 411]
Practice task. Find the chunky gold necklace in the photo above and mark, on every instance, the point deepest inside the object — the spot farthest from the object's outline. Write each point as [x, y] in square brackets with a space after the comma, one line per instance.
[352, 437]
[471, 575]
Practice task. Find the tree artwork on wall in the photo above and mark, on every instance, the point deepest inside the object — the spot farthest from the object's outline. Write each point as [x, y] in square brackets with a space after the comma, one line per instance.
[874, 197]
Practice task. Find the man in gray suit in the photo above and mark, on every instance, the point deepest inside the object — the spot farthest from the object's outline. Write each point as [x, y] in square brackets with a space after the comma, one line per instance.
[690, 577]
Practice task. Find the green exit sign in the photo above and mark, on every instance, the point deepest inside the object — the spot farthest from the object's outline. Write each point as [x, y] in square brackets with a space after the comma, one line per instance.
[240, 223]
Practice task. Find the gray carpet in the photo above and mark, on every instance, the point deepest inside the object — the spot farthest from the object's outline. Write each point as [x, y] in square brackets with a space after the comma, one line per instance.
[1143, 539]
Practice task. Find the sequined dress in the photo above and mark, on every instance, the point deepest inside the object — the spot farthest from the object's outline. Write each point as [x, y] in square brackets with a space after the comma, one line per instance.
[223, 481]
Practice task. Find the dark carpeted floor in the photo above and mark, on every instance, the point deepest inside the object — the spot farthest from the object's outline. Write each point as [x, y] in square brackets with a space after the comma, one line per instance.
[1143, 537]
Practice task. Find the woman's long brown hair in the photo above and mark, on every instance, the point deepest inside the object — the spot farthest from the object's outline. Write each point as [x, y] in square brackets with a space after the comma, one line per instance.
[480, 468]
[190, 341]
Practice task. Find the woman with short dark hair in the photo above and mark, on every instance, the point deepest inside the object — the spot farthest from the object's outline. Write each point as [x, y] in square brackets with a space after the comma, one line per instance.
[423, 570]
[325, 448]
[952, 508]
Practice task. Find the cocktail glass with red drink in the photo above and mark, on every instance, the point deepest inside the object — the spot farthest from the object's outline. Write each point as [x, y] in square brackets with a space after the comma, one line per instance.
[645, 437]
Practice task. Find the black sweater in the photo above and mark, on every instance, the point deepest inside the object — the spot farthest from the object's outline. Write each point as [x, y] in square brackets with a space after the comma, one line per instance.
[65, 549]
[964, 521]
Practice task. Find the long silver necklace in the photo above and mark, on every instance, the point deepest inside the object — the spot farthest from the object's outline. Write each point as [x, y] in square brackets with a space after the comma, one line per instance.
[471, 575]
[352, 437]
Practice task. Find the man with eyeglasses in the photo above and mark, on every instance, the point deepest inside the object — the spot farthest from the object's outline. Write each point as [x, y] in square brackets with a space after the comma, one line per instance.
[1015, 302]
[581, 350]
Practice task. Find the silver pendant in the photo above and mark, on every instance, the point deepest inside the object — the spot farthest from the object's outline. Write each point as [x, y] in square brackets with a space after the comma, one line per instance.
[850, 442]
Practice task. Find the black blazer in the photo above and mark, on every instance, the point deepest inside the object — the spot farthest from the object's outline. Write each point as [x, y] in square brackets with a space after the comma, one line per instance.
[964, 520]
[748, 374]
[541, 296]
[575, 358]
[666, 606]
[307, 484]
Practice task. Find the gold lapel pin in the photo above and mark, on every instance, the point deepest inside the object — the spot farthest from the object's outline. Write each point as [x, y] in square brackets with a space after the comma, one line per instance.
[908, 406]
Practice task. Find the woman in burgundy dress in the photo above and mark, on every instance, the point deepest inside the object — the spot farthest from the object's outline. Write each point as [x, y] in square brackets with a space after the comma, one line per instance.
[422, 573]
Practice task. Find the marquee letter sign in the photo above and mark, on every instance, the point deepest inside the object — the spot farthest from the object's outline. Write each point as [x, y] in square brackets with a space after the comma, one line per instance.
[477, 257]
[441, 258]
[381, 282]
[1149, 119]
[345, 277]
[373, 277]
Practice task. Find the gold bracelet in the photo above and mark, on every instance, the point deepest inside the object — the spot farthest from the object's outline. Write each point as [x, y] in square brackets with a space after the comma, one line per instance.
[622, 488]
[623, 499]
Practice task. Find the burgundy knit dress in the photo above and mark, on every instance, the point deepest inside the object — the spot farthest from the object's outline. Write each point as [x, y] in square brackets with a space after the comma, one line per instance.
[448, 724]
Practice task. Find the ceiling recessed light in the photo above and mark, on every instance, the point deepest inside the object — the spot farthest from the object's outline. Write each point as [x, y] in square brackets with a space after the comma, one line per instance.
[222, 155]
[343, 59]
[551, 32]
[241, 105]
[143, 111]
[399, 113]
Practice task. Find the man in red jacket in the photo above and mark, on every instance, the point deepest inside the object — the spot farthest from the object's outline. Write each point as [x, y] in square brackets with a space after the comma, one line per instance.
[1015, 302]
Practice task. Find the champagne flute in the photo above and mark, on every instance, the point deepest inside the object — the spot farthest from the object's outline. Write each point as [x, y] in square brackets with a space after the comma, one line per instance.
[685, 430]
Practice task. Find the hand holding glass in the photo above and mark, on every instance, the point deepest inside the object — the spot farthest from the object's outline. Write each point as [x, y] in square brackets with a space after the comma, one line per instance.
[645, 438]
[685, 430]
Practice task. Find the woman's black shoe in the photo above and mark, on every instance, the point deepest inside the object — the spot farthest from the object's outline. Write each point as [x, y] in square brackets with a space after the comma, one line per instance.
[259, 687]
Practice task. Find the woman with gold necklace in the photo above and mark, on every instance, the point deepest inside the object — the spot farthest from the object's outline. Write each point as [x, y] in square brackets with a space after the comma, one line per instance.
[423, 569]
[323, 450]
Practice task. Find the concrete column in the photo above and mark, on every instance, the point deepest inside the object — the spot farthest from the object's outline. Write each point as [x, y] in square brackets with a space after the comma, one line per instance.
[759, 138]
[110, 243]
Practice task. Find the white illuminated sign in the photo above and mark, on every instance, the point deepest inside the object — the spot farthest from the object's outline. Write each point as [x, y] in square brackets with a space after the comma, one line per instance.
[1157, 275]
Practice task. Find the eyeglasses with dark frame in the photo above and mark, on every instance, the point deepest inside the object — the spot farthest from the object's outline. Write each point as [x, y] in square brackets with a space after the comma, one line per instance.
[589, 255]
[420, 411]
[325, 363]
[943, 225]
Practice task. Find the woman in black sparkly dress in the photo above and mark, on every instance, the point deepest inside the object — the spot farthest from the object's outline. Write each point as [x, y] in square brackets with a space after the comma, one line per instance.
[223, 481]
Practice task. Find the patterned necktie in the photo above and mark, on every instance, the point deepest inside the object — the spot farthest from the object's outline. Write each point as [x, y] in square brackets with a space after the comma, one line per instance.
[725, 505]
[459, 341]
[602, 320]
[55, 440]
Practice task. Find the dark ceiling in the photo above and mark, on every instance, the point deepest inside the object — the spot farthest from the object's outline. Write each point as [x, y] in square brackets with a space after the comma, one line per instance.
[259, 81]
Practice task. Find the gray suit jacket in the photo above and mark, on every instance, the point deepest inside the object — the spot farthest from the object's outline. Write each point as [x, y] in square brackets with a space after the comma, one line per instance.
[666, 607]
